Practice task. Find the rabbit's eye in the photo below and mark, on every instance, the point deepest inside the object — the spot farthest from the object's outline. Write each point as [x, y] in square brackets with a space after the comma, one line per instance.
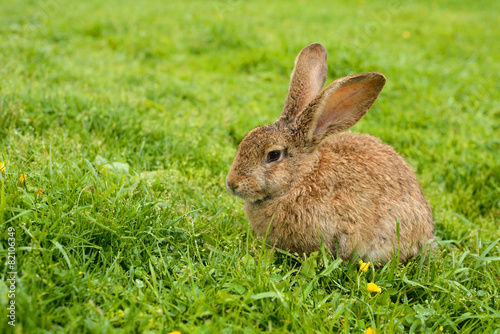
[273, 156]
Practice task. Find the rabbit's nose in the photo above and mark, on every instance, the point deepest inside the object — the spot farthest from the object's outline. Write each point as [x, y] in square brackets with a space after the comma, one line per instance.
[231, 185]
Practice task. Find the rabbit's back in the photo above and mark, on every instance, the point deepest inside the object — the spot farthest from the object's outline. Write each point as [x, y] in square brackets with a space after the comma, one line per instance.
[373, 190]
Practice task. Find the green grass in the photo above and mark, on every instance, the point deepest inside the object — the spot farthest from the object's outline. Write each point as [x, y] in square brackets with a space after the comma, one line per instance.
[125, 117]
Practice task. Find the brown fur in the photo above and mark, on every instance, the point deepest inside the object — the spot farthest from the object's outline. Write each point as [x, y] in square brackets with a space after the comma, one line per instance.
[348, 190]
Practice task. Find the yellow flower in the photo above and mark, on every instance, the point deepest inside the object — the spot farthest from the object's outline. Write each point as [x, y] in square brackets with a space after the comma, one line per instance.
[440, 328]
[406, 34]
[175, 332]
[369, 330]
[372, 287]
[22, 180]
[40, 191]
[363, 266]
[2, 168]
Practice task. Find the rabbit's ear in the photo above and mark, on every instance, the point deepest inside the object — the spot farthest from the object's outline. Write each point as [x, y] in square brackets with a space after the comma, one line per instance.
[308, 77]
[340, 105]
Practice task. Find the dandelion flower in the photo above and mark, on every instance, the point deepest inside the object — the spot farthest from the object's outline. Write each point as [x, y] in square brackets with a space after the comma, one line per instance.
[22, 180]
[363, 266]
[440, 328]
[175, 332]
[369, 330]
[372, 287]
[2, 168]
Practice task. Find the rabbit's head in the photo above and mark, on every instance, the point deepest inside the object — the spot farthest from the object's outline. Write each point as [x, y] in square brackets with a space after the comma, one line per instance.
[274, 158]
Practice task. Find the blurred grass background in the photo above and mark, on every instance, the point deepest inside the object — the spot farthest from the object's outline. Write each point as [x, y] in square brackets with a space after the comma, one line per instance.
[164, 91]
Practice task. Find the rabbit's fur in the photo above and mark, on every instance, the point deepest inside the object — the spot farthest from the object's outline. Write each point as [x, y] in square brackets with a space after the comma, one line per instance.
[348, 190]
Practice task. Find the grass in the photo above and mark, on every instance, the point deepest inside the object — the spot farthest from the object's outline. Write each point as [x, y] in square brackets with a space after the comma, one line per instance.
[124, 117]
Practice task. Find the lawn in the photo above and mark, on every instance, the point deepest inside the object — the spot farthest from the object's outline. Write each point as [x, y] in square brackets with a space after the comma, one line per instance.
[118, 124]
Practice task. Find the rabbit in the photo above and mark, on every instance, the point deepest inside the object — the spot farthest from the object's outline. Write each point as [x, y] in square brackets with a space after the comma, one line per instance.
[305, 182]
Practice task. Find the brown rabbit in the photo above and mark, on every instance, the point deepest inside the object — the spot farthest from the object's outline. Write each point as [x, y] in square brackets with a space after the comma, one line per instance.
[348, 190]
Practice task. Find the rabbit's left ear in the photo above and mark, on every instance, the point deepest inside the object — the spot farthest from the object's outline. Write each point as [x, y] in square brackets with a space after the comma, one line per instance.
[308, 78]
[340, 105]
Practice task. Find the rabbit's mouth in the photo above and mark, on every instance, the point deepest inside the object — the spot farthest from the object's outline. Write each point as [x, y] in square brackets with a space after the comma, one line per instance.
[248, 191]
[251, 194]
[255, 197]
